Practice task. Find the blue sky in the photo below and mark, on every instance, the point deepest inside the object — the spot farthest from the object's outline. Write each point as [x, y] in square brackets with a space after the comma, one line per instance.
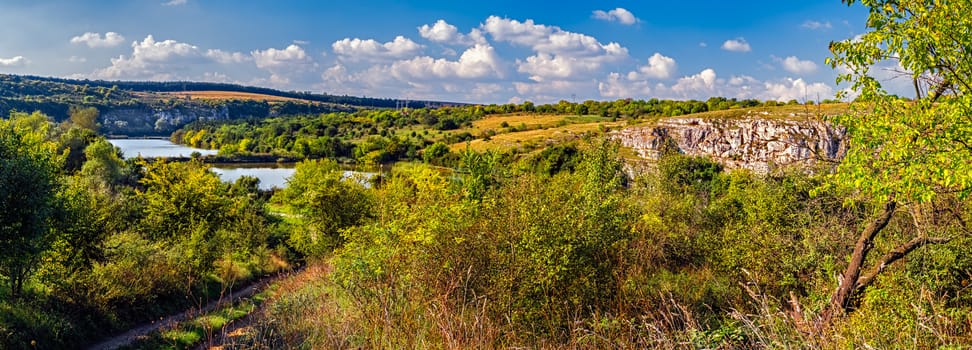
[493, 51]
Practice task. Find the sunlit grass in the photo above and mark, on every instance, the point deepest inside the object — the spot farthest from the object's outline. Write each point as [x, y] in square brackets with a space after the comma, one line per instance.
[530, 139]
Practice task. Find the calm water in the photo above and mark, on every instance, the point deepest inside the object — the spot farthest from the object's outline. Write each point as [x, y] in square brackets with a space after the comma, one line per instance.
[151, 148]
[270, 174]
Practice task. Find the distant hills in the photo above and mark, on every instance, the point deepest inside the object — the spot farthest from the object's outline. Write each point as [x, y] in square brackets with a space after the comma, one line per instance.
[157, 108]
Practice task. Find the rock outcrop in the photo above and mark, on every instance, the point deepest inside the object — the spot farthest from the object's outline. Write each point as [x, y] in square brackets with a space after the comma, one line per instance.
[760, 143]
[161, 121]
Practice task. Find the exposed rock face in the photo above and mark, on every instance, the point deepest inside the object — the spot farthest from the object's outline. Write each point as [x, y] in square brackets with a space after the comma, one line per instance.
[158, 120]
[758, 144]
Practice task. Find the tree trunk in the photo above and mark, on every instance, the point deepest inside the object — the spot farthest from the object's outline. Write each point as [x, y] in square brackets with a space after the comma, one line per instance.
[848, 281]
[852, 283]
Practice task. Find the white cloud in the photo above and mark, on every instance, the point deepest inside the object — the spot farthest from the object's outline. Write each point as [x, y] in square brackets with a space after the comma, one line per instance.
[560, 55]
[617, 87]
[369, 49]
[620, 15]
[285, 65]
[544, 66]
[17, 61]
[224, 57]
[707, 84]
[479, 61]
[154, 60]
[795, 89]
[77, 59]
[164, 60]
[275, 58]
[175, 2]
[736, 45]
[659, 67]
[704, 81]
[110, 39]
[445, 33]
[814, 25]
[795, 65]
[703, 44]
[547, 39]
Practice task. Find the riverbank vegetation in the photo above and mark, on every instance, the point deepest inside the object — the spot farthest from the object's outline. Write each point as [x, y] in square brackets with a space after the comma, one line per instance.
[93, 244]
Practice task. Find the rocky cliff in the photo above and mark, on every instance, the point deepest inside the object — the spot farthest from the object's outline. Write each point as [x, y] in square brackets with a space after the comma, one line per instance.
[755, 141]
[147, 120]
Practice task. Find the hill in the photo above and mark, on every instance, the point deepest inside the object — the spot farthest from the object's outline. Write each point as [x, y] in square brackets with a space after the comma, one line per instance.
[158, 108]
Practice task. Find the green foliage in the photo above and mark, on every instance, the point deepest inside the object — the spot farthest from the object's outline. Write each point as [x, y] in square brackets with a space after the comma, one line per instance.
[73, 142]
[917, 149]
[434, 153]
[327, 202]
[29, 205]
[84, 118]
[103, 164]
[555, 159]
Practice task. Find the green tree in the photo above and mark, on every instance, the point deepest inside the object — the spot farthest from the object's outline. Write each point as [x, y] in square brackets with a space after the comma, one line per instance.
[185, 205]
[29, 185]
[327, 201]
[85, 118]
[904, 153]
[436, 151]
[103, 164]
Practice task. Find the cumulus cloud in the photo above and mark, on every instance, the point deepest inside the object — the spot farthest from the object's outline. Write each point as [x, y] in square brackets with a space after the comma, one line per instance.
[616, 86]
[704, 81]
[547, 39]
[473, 75]
[175, 2]
[275, 58]
[795, 65]
[815, 25]
[369, 49]
[445, 33]
[736, 45]
[17, 61]
[795, 89]
[659, 67]
[619, 15]
[284, 65]
[479, 61]
[110, 39]
[561, 58]
[707, 84]
[224, 57]
[151, 59]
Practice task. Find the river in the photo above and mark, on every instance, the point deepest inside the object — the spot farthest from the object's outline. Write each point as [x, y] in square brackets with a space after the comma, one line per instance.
[270, 174]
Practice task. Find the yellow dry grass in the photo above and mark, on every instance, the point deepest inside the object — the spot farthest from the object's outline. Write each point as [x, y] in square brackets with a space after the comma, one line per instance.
[495, 122]
[788, 111]
[227, 95]
[537, 137]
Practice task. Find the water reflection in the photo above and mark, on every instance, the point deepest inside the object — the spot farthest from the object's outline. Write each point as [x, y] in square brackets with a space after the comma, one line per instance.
[271, 175]
[155, 148]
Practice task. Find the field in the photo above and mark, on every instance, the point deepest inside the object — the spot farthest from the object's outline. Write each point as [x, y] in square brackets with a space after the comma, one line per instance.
[788, 111]
[227, 95]
[529, 131]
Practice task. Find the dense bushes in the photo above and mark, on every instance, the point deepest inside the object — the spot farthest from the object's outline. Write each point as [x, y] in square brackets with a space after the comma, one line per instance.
[687, 254]
[91, 249]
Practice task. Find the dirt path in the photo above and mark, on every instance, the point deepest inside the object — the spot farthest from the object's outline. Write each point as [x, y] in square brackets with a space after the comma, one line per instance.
[171, 321]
